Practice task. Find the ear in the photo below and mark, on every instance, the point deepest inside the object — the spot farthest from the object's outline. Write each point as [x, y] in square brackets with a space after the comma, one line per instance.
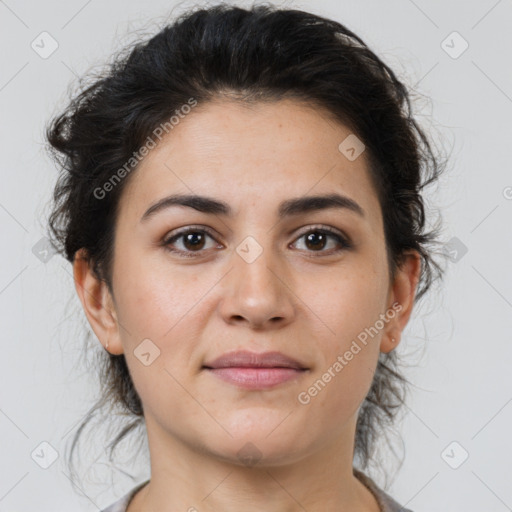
[97, 302]
[401, 300]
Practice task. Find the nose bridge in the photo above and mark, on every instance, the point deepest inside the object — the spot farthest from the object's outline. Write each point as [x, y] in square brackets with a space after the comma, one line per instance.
[254, 263]
[256, 284]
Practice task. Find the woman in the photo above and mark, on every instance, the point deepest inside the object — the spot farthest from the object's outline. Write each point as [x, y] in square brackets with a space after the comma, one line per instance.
[241, 201]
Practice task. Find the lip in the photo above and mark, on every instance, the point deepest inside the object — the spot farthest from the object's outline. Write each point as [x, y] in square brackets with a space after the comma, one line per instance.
[246, 359]
[251, 370]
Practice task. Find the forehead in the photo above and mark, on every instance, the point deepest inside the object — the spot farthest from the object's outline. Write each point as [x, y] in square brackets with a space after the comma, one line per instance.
[258, 153]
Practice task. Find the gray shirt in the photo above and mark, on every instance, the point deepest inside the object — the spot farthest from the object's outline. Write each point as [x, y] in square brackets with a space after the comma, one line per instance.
[386, 502]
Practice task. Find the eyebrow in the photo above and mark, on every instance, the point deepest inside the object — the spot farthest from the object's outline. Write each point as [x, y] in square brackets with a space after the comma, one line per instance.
[287, 208]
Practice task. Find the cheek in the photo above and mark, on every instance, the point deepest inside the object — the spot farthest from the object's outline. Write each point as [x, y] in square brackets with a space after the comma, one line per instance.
[348, 337]
[347, 303]
[163, 309]
[167, 308]
[152, 300]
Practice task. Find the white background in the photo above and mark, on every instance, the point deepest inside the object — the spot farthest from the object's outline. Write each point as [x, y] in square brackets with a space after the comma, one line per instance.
[459, 345]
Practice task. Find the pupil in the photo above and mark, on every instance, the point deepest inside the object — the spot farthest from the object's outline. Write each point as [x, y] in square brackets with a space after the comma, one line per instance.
[189, 239]
[311, 238]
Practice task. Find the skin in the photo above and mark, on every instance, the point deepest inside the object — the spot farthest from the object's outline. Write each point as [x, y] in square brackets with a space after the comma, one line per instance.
[303, 300]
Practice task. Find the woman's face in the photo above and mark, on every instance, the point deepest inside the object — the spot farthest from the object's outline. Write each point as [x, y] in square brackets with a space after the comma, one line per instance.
[259, 274]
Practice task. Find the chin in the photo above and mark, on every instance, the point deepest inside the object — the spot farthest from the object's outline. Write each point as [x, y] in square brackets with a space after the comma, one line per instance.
[257, 449]
[256, 456]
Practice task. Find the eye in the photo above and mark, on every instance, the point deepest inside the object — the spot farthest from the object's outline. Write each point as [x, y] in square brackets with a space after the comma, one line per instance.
[192, 238]
[316, 239]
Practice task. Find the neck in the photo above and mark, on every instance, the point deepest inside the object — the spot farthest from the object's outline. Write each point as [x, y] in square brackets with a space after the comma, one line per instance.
[191, 479]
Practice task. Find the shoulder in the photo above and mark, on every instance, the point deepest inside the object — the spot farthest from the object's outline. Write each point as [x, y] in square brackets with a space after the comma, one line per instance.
[385, 501]
[122, 503]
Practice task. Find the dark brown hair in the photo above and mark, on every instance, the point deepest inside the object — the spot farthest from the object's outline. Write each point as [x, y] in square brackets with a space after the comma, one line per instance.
[258, 54]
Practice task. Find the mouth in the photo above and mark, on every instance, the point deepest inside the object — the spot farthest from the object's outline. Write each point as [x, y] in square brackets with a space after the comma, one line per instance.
[250, 370]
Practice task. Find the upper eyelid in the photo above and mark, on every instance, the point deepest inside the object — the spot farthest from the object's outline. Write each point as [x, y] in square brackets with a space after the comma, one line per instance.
[186, 229]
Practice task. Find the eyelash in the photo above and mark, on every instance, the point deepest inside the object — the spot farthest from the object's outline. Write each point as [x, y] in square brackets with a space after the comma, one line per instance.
[343, 241]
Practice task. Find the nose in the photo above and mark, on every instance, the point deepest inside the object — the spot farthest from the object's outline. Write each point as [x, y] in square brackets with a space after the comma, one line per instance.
[257, 293]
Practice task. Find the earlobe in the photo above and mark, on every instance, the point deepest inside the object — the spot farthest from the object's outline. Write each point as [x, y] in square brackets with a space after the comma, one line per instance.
[402, 293]
[96, 302]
